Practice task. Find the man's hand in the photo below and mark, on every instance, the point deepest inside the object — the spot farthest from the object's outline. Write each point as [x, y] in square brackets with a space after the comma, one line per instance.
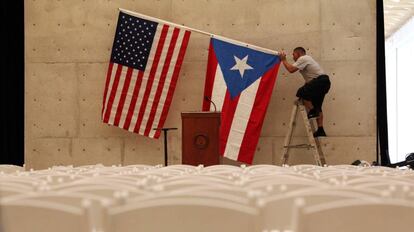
[287, 65]
[282, 56]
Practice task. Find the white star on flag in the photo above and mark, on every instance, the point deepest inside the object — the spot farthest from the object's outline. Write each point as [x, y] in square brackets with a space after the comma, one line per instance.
[241, 65]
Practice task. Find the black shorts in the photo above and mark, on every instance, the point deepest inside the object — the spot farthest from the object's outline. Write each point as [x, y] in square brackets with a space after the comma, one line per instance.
[315, 91]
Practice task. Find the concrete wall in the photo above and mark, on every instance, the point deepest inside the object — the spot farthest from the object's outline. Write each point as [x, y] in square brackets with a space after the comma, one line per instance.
[68, 45]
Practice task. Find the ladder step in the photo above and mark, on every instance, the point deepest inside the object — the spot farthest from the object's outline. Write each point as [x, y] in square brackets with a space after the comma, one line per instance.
[299, 146]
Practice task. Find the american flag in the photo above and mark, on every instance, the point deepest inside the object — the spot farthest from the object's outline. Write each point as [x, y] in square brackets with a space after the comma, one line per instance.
[240, 81]
[142, 74]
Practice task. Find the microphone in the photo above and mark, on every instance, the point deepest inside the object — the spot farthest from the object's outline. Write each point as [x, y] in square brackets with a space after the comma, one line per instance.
[206, 98]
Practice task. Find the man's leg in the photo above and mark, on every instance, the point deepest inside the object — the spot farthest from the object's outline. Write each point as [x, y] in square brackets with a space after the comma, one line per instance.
[310, 108]
[318, 105]
[308, 104]
[306, 95]
[323, 85]
[319, 120]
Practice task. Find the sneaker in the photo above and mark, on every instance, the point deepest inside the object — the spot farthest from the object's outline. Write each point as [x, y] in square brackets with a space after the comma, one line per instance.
[319, 133]
[313, 113]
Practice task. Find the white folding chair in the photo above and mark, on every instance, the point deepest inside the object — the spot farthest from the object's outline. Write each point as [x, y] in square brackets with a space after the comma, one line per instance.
[182, 214]
[276, 210]
[7, 168]
[354, 215]
[42, 216]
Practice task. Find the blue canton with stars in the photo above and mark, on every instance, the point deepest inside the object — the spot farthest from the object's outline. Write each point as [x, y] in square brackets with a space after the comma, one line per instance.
[133, 41]
[241, 66]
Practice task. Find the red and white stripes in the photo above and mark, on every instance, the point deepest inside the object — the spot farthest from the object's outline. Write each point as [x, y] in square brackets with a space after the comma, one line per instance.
[138, 101]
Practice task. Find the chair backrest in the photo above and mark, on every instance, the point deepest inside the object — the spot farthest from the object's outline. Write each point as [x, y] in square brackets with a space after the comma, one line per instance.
[355, 215]
[7, 168]
[6, 191]
[276, 210]
[182, 214]
[42, 216]
[208, 192]
[285, 183]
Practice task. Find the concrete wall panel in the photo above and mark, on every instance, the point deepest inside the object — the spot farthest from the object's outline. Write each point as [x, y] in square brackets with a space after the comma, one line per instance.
[68, 45]
[142, 150]
[106, 151]
[42, 153]
[91, 77]
[51, 100]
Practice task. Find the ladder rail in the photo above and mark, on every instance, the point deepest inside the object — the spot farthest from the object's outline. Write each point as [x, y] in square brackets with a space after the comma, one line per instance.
[313, 142]
[318, 146]
[288, 138]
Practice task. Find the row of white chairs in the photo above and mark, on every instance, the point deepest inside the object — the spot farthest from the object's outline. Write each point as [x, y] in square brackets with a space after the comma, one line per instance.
[216, 198]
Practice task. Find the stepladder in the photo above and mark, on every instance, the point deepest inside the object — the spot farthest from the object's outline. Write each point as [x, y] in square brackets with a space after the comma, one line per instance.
[313, 143]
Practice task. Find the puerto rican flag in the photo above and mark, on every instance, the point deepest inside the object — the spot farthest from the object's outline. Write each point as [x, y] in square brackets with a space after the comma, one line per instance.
[240, 82]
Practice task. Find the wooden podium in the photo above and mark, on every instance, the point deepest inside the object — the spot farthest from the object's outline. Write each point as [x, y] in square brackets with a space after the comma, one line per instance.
[200, 138]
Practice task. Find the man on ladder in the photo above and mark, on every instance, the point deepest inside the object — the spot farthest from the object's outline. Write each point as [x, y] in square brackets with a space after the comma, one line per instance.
[317, 84]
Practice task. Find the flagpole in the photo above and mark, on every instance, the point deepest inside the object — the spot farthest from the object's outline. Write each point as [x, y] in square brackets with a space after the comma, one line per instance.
[201, 32]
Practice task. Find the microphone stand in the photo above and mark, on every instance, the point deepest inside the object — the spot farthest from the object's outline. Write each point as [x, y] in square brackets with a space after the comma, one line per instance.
[165, 130]
[209, 100]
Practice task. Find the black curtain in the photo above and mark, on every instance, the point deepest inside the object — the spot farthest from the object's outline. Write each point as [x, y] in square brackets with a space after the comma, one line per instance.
[382, 126]
[12, 82]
